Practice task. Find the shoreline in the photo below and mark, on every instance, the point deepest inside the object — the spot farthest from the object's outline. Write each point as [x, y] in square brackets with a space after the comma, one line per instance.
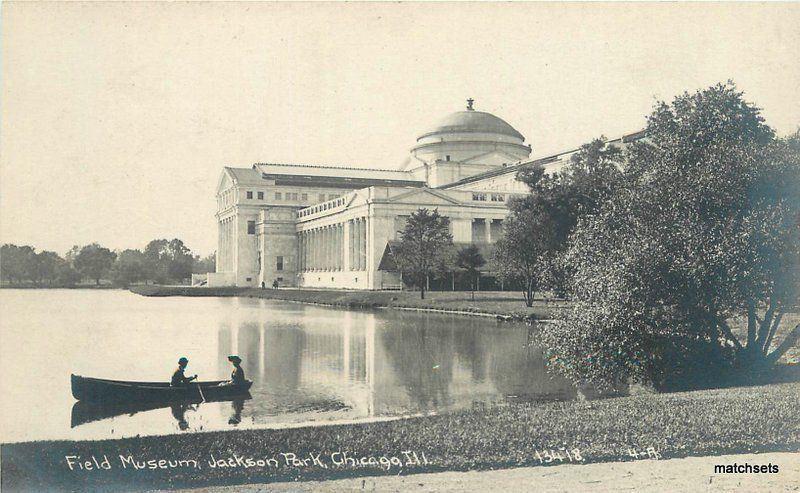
[623, 429]
[500, 305]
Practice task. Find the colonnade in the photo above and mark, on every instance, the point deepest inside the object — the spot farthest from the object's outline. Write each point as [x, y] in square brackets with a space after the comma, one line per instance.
[336, 247]
[226, 244]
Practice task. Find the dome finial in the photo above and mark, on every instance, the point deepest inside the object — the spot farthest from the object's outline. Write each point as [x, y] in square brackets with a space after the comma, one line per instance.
[470, 101]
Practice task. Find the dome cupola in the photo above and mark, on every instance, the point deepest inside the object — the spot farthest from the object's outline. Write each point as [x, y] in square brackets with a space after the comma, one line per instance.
[467, 143]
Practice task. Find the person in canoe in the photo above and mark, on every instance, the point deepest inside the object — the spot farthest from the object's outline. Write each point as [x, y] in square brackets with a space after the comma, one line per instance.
[178, 378]
[237, 376]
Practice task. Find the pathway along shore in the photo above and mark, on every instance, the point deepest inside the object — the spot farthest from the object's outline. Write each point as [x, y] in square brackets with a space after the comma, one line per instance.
[502, 305]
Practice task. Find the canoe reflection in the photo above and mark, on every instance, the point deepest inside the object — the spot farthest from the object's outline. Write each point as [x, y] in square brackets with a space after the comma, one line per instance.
[85, 412]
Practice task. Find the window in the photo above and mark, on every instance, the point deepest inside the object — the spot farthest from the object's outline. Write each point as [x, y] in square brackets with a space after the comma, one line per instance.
[251, 227]
[249, 279]
[294, 196]
[278, 196]
[498, 197]
[249, 194]
[279, 263]
[447, 157]
[479, 196]
[304, 196]
[260, 195]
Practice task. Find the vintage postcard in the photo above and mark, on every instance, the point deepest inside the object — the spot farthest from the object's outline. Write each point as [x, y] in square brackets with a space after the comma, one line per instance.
[328, 246]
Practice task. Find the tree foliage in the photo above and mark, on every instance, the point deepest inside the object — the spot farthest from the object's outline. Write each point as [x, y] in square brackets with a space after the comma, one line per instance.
[165, 261]
[168, 260]
[470, 260]
[542, 221]
[703, 231]
[130, 268]
[424, 247]
[527, 236]
[94, 261]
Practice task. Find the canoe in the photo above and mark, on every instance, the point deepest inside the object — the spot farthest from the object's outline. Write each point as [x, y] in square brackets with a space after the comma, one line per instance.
[86, 411]
[107, 391]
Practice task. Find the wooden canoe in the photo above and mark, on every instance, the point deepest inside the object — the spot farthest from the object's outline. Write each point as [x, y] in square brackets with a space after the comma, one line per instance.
[107, 391]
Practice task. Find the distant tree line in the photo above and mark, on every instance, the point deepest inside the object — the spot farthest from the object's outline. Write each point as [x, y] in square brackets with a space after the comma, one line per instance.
[162, 262]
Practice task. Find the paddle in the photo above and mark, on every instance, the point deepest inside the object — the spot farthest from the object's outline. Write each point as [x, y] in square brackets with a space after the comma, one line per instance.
[200, 388]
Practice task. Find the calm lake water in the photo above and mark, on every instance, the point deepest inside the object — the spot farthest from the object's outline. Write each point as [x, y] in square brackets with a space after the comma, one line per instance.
[309, 364]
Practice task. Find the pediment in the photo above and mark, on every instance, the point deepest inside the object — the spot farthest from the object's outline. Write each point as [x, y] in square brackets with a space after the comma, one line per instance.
[423, 196]
[495, 158]
[225, 180]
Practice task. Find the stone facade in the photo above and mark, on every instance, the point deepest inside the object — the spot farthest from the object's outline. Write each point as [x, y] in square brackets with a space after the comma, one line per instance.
[325, 226]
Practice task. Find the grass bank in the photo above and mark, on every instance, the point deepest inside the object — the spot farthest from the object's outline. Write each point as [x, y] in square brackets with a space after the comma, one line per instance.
[711, 422]
[501, 304]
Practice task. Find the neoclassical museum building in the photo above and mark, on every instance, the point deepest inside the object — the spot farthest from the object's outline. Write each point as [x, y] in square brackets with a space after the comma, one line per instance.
[325, 226]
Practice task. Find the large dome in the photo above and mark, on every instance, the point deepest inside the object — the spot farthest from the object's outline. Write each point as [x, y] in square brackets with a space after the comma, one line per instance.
[471, 121]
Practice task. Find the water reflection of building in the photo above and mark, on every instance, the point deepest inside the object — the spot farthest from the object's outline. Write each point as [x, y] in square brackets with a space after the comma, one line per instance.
[374, 364]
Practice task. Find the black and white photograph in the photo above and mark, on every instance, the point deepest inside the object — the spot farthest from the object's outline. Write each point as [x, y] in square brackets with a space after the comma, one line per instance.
[399, 246]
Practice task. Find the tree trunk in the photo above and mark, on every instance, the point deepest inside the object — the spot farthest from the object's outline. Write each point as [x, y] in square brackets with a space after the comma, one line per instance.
[97, 281]
[529, 294]
[785, 345]
[422, 292]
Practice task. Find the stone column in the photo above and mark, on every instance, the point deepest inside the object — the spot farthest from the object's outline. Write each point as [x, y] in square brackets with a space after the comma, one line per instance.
[328, 263]
[362, 243]
[357, 244]
[339, 247]
[312, 248]
[327, 248]
[336, 248]
[318, 249]
[347, 245]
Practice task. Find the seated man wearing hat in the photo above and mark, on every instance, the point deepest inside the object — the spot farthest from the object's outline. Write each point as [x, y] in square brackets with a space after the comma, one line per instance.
[237, 376]
[178, 378]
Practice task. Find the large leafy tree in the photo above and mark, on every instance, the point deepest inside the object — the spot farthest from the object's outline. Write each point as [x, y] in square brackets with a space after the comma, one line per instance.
[168, 260]
[470, 260]
[548, 215]
[94, 261]
[528, 233]
[44, 267]
[130, 267]
[15, 262]
[702, 235]
[424, 247]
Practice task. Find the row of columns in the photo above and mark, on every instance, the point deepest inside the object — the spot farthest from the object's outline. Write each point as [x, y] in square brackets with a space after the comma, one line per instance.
[357, 251]
[482, 230]
[226, 244]
[321, 248]
[337, 247]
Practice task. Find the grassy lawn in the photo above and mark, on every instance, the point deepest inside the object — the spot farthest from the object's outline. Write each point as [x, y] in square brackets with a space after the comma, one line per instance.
[711, 422]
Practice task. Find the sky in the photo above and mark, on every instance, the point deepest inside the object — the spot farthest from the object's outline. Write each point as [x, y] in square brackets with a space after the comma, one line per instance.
[117, 118]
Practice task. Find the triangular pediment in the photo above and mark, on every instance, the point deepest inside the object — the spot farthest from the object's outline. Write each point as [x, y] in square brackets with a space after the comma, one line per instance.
[424, 196]
[225, 180]
[496, 157]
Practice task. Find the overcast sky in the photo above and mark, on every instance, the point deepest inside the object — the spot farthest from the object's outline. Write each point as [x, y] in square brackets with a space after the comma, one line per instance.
[117, 118]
